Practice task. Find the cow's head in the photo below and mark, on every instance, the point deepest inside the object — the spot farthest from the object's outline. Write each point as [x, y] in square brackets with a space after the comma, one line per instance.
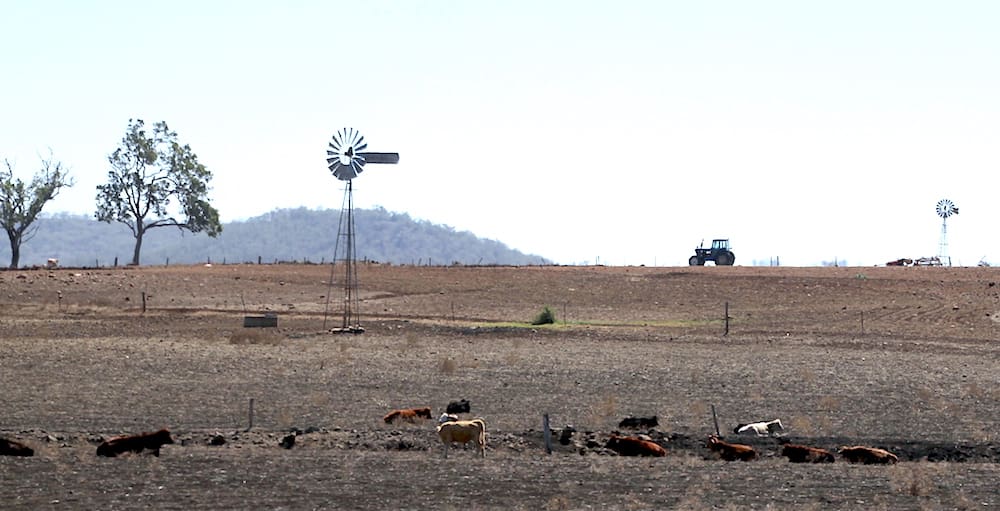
[163, 436]
[775, 426]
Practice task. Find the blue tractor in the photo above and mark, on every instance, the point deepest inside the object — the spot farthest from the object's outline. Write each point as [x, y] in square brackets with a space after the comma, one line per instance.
[720, 254]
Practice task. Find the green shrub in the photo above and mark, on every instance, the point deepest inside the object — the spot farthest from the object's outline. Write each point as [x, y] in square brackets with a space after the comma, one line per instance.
[546, 317]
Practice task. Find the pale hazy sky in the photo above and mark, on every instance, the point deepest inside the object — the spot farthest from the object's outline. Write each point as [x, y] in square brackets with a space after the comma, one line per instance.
[615, 132]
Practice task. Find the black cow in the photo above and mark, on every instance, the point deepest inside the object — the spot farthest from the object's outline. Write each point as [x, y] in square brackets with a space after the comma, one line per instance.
[461, 406]
[639, 422]
[135, 444]
[14, 448]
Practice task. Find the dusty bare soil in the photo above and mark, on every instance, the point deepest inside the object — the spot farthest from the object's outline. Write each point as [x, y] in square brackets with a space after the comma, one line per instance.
[901, 358]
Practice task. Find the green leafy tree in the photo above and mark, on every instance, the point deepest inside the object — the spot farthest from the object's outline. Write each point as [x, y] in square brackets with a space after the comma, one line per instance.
[21, 203]
[149, 172]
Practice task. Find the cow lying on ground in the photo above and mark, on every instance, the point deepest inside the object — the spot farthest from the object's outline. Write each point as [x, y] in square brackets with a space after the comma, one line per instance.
[731, 452]
[407, 414]
[463, 432]
[135, 443]
[634, 446]
[868, 455]
[804, 454]
[639, 422]
[14, 448]
[461, 406]
[762, 428]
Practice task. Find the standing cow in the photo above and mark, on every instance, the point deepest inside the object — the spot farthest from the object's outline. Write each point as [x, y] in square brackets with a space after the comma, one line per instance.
[463, 432]
[457, 407]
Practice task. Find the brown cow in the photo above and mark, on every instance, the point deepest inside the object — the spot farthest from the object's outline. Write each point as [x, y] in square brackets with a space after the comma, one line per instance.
[463, 432]
[135, 443]
[14, 448]
[731, 452]
[408, 414]
[804, 454]
[634, 446]
[868, 455]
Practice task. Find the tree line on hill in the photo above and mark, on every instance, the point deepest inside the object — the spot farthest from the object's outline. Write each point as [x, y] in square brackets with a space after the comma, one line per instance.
[283, 235]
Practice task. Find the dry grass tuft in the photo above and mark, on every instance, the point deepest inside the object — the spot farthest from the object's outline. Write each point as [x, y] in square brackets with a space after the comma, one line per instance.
[915, 479]
[802, 425]
[412, 341]
[448, 365]
[606, 408]
[558, 503]
[830, 403]
[700, 409]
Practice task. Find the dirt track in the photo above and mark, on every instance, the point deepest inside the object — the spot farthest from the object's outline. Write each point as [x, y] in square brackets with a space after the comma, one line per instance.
[901, 358]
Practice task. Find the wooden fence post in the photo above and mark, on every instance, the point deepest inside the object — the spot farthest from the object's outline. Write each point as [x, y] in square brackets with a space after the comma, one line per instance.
[727, 320]
[547, 433]
[715, 420]
[250, 413]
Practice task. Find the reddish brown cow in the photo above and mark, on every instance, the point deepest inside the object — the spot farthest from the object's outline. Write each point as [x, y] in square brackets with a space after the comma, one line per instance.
[135, 443]
[731, 452]
[634, 446]
[408, 415]
[804, 454]
[868, 455]
[14, 448]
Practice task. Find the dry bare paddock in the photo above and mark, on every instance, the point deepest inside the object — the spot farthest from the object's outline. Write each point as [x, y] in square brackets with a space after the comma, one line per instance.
[903, 358]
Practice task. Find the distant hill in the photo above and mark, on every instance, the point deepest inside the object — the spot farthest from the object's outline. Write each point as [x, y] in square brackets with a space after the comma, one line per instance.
[286, 235]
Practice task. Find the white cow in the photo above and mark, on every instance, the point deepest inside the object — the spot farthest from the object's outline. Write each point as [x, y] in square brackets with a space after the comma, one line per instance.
[763, 428]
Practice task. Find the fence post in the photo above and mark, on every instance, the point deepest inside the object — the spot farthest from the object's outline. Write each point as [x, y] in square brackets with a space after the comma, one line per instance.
[547, 433]
[727, 320]
[715, 420]
[250, 413]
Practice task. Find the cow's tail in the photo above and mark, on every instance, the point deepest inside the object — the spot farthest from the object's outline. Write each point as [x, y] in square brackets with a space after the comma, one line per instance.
[482, 435]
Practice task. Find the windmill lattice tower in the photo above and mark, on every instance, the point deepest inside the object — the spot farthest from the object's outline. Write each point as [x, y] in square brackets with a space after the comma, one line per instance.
[945, 208]
[346, 159]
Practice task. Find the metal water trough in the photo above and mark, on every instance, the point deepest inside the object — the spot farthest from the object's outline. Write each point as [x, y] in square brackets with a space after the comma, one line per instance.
[269, 319]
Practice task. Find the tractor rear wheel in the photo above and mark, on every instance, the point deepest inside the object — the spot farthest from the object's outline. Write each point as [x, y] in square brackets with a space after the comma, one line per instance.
[724, 259]
[695, 261]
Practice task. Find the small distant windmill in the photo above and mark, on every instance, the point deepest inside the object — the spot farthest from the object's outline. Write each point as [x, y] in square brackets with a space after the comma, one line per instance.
[945, 208]
[346, 159]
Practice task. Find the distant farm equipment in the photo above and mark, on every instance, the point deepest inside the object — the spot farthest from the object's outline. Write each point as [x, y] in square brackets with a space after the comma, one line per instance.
[720, 253]
[921, 261]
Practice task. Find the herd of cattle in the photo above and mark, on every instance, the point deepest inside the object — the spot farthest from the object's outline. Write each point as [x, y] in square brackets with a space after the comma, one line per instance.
[452, 429]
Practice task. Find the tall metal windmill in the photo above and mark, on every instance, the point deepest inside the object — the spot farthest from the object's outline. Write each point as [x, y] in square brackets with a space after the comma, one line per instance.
[346, 158]
[945, 208]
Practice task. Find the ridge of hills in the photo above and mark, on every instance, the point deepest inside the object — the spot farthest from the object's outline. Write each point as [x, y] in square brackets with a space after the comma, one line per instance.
[282, 235]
